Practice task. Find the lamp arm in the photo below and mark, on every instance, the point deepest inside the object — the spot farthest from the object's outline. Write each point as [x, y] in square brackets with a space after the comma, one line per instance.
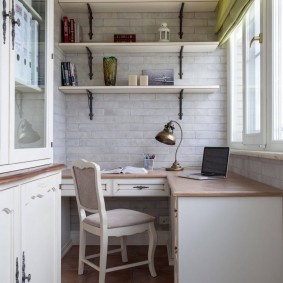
[180, 140]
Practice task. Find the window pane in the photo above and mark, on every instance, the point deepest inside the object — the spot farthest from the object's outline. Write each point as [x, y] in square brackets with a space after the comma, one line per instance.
[252, 53]
[237, 92]
[277, 71]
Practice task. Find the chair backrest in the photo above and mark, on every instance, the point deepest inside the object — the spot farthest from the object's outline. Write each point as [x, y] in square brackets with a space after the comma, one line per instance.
[87, 180]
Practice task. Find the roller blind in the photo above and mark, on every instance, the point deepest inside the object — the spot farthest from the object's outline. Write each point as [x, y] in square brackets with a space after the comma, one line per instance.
[229, 15]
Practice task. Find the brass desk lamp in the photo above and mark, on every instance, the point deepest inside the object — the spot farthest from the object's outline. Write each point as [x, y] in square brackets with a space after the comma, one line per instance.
[166, 136]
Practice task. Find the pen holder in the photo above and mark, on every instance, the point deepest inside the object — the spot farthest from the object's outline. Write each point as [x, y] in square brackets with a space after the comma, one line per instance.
[148, 164]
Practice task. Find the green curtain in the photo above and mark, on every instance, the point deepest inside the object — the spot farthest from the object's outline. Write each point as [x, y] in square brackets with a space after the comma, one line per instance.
[229, 15]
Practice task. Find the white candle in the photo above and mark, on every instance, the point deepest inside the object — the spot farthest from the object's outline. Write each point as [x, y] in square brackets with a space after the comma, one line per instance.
[133, 80]
[143, 80]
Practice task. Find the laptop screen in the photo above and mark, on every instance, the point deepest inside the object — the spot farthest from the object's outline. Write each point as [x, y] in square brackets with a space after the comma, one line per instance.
[215, 161]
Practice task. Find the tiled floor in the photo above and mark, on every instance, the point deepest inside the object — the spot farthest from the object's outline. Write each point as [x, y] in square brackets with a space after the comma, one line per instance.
[140, 274]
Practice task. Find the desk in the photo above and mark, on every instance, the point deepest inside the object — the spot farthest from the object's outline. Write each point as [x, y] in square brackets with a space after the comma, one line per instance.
[223, 231]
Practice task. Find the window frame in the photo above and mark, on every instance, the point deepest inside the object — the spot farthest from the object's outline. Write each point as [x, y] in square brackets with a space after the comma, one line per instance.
[263, 141]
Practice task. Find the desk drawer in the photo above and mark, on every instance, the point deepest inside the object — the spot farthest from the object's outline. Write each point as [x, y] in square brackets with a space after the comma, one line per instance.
[68, 188]
[140, 187]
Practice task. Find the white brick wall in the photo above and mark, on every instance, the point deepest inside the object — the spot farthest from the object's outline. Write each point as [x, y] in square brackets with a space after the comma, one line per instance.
[124, 125]
[263, 170]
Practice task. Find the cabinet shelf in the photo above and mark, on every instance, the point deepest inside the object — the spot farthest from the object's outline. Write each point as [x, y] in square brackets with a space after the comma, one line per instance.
[35, 15]
[131, 6]
[138, 47]
[24, 88]
[139, 89]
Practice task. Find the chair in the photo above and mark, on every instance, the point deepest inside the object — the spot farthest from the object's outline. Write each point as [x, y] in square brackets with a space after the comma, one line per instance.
[117, 222]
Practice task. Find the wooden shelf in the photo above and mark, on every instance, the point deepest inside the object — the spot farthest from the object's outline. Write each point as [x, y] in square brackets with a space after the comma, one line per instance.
[138, 47]
[139, 89]
[145, 6]
[35, 15]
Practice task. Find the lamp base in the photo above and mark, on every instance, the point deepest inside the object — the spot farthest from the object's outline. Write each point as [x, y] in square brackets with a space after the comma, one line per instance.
[175, 167]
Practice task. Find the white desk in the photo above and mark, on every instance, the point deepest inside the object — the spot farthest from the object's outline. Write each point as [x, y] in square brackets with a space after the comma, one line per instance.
[228, 230]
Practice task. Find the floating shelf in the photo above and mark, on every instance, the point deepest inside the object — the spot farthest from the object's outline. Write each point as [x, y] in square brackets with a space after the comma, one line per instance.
[138, 47]
[28, 6]
[145, 6]
[139, 89]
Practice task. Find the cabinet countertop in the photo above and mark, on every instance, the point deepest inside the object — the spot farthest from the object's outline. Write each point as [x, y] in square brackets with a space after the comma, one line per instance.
[18, 175]
[233, 186]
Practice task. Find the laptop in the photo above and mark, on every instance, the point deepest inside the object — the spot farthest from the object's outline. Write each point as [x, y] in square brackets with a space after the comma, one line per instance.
[214, 164]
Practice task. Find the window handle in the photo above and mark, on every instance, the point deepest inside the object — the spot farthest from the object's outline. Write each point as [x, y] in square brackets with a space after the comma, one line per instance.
[256, 37]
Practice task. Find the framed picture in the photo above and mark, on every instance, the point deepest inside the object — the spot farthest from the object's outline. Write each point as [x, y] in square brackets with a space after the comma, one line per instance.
[160, 77]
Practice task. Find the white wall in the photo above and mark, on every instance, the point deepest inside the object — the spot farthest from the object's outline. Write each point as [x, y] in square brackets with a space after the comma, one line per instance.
[124, 125]
[267, 171]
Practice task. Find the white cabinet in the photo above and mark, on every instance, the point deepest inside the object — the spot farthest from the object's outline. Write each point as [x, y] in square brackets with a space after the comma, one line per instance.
[228, 239]
[9, 254]
[26, 84]
[30, 230]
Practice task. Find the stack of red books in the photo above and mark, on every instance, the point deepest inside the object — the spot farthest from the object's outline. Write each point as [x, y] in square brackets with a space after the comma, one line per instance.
[124, 38]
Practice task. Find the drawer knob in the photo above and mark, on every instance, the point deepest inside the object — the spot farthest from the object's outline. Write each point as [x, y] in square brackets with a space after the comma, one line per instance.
[140, 187]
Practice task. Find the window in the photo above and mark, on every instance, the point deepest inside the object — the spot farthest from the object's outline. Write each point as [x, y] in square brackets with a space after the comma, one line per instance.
[256, 78]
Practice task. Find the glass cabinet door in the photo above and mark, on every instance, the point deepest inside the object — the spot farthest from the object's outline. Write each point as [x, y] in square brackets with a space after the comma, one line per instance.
[29, 81]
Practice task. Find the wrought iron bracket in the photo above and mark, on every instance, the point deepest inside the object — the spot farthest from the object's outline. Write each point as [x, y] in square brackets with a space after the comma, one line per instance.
[90, 18]
[181, 20]
[90, 102]
[181, 62]
[181, 96]
[90, 57]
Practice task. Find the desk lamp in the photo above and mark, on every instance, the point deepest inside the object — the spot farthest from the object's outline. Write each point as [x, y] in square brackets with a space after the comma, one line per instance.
[166, 136]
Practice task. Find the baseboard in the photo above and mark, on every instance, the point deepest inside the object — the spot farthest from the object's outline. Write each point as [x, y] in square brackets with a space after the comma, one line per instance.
[66, 248]
[137, 240]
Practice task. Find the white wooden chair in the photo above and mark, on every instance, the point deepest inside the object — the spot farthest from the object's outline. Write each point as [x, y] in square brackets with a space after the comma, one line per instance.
[117, 222]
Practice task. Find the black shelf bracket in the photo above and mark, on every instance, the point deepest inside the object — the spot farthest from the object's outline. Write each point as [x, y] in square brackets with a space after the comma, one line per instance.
[181, 62]
[90, 18]
[181, 96]
[181, 20]
[90, 102]
[90, 57]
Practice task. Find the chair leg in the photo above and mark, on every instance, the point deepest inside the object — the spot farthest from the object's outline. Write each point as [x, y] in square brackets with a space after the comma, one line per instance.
[103, 257]
[82, 250]
[151, 248]
[124, 254]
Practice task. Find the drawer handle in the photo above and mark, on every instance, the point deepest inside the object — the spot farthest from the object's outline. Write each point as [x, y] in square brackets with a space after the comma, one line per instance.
[40, 196]
[141, 187]
[7, 210]
[53, 189]
[176, 250]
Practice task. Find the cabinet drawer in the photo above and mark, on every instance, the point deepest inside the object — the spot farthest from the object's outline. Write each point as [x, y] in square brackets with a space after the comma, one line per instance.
[38, 188]
[140, 187]
[68, 188]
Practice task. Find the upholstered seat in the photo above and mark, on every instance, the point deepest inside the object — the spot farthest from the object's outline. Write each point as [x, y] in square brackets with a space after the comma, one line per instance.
[116, 223]
[117, 218]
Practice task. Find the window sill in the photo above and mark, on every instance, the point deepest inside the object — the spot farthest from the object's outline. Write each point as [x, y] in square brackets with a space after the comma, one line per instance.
[259, 154]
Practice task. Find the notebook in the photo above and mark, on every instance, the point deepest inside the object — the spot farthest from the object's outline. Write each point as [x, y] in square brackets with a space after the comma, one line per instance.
[214, 164]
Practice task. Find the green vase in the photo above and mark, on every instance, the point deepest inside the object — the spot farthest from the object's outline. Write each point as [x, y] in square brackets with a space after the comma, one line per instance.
[110, 70]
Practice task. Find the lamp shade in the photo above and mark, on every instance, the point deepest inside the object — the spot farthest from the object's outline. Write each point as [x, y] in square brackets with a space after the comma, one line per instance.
[26, 133]
[166, 137]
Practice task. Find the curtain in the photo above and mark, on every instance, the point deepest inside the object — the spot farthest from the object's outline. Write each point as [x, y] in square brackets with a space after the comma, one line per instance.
[229, 15]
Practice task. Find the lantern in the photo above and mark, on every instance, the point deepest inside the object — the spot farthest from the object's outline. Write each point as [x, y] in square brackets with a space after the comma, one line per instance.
[164, 32]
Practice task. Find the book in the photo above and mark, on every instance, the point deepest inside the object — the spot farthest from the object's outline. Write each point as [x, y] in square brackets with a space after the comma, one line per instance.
[126, 170]
[72, 31]
[34, 52]
[65, 29]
